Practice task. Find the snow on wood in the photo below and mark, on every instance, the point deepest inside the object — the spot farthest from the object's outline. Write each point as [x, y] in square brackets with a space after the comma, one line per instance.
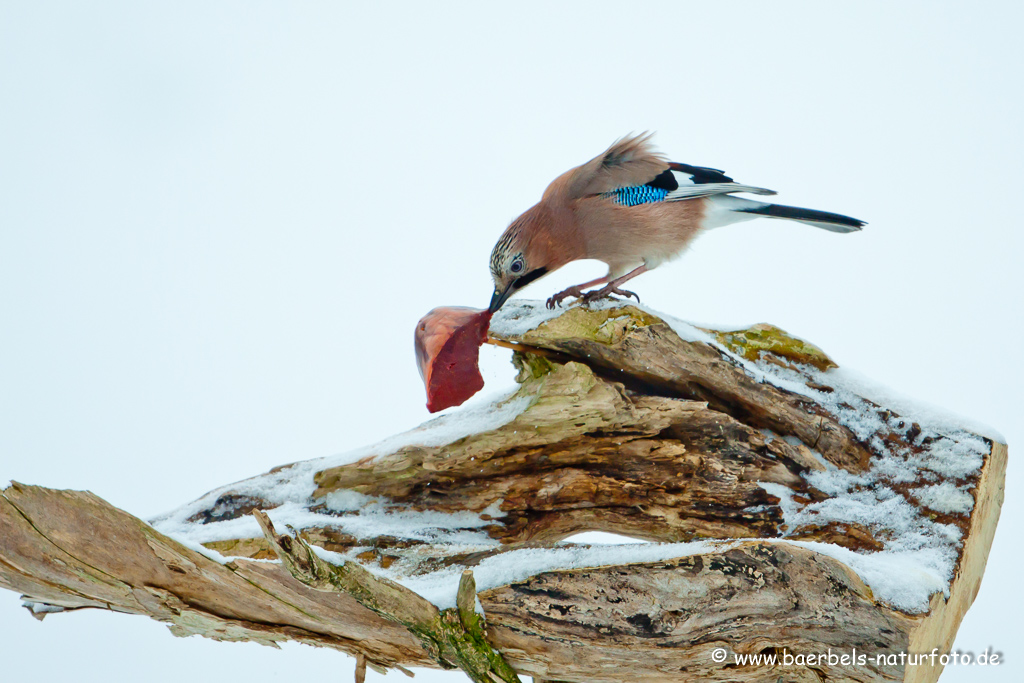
[787, 504]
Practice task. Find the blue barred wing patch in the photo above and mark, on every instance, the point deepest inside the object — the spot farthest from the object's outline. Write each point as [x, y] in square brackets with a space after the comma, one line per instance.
[640, 194]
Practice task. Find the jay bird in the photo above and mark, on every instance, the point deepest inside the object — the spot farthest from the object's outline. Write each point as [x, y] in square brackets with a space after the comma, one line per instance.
[632, 209]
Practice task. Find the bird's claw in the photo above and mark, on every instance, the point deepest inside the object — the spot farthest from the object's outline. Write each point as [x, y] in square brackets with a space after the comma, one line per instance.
[591, 296]
[607, 292]
[563, 295]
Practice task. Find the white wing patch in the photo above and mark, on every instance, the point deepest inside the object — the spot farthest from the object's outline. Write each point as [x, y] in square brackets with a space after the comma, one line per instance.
[692, 190]
[683, 178]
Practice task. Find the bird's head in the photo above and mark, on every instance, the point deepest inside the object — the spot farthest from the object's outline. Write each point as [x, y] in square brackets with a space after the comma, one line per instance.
[516, 261]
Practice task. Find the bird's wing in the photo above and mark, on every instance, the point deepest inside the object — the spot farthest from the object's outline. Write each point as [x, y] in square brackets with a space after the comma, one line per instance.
[631, 172]
[630, 161]
[699, 181]
[679, 182]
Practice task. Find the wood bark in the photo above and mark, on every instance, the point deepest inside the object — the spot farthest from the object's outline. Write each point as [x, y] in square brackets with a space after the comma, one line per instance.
[631, 429]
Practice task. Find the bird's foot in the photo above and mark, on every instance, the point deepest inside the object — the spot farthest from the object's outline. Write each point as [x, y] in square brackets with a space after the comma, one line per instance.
[607, 292]
[573, 291]
[589, 297]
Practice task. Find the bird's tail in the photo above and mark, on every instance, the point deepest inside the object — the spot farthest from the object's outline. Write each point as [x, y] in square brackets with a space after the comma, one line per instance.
[825, 220]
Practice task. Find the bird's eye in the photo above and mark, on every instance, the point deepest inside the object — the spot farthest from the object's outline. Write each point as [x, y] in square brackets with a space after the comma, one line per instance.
[516, 267]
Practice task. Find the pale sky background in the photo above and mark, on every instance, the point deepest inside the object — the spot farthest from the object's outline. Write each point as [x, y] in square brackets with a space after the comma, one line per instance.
[220, 222]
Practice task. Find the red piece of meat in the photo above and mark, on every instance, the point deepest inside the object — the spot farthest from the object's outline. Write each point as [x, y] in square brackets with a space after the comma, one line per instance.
[448, 341]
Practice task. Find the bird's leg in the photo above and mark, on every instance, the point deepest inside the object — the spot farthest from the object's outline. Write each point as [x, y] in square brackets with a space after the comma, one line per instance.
[576, 291]
[613, 287]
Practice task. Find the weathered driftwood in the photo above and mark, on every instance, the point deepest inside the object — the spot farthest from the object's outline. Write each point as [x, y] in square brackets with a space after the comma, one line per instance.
[628, 427]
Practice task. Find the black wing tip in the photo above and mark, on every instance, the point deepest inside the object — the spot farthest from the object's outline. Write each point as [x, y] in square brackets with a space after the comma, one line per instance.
[701, 174]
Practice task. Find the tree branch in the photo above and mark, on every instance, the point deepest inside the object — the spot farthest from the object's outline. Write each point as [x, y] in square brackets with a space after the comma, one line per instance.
[743, 455]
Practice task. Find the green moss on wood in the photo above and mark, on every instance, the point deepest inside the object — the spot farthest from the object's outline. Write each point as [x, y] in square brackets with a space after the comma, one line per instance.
[472, 652]
[531, 366]
[607, 326]
[753, 341]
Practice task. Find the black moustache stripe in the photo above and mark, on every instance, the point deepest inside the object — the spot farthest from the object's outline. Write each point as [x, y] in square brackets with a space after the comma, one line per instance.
[524, 280]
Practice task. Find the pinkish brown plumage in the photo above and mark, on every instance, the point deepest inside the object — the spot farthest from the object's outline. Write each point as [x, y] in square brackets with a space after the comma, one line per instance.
[632, 209]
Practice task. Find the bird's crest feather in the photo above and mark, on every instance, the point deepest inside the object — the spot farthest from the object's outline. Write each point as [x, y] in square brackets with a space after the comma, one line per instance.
[628, 162]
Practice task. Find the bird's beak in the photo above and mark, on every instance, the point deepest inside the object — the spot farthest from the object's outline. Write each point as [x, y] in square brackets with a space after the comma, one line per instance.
[500, 297]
